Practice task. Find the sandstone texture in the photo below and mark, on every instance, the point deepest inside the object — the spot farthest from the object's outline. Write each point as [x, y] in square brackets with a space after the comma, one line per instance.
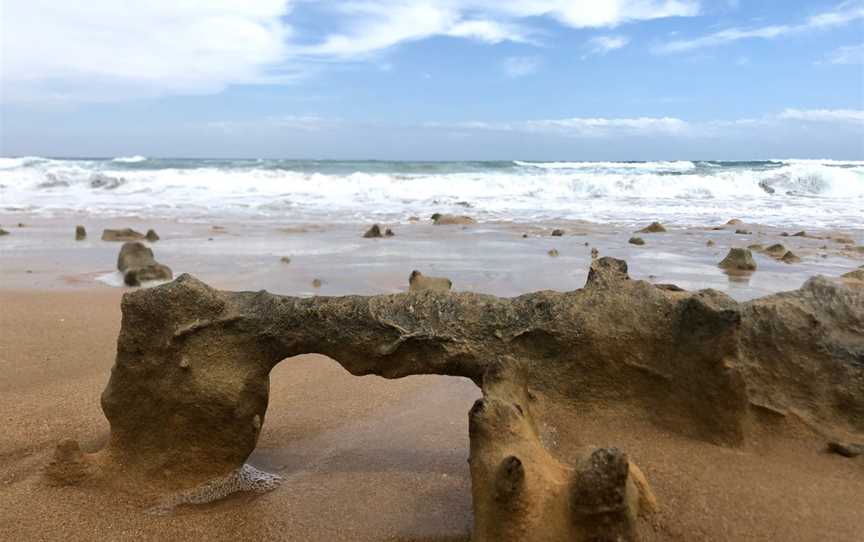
[738, 259]
[188, 393]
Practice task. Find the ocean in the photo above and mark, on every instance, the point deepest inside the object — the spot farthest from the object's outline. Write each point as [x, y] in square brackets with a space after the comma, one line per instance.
[815, 193]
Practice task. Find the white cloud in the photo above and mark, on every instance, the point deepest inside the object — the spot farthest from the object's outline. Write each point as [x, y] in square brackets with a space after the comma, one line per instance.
[604, 44]
[588, 127]
[520, 66]
[99, 50]
[850, 54]
[855, 116]
[103, 49]
[843, 14]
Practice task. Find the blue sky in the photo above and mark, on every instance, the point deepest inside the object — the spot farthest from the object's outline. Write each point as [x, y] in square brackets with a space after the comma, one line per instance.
[448, 79]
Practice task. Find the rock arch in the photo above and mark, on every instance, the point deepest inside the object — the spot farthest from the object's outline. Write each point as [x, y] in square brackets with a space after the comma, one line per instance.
[188, 393]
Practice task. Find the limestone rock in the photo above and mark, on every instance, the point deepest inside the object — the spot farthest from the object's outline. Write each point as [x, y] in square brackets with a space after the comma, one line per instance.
[285, 259]
[3, 232]
[445, 220]
[654, 227]
[553, 253]
[734, 222]
[126, 234]
[374, 232]
[138, 265]
[776, 250]
[694, 363]
[557, 233]
[80, 233]
[636, 241]
[743, 232]
[738, 259]
[418, 282]
[151, 236]
[790, 257]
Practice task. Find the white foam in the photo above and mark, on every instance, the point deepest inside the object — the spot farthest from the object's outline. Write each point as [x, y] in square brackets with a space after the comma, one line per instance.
[130, 159]
[793, 191]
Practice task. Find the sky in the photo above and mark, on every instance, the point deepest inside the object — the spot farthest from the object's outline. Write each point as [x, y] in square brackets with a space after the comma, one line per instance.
[433, 80]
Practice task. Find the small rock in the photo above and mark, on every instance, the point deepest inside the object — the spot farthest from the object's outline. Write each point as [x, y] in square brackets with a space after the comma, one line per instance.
[553, 253]
[734, 222]
[418, 282]
[654, 227]
[524, 236]
[557, 233]
[446, 220]
[801, 233]
[22, 225]
[373, 233]
[738, 259]
[636, 241]
[138, 265]
[388, 233]
[285, 259]
[316, 283]
[743, 232]
[776, 250]
[710, 243]
[126, 234]
[756, 247]
[80, 233]
[784, 234]
[151, 236]
[790, 257]
[846, 449]
[670, 287]
[3, 232]
[594, 253]
[844, 240]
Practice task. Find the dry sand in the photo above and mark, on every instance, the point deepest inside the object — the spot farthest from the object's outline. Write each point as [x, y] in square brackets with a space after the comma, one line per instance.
[366, 458]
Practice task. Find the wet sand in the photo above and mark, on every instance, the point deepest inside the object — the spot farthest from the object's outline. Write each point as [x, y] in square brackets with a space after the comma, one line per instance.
[366, 458]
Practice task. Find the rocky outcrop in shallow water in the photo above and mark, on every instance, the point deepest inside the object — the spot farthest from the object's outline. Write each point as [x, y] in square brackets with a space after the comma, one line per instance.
[138, 265]
[188, 393]
[418, 282]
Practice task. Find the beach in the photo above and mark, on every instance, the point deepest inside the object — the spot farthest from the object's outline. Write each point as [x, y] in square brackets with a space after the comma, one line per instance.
[368, 458]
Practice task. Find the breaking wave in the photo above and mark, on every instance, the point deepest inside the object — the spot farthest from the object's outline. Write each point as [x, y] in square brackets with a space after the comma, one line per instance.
[815, 191]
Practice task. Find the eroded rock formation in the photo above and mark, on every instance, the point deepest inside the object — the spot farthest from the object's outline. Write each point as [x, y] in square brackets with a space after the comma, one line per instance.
[188, 393]
[138, 265]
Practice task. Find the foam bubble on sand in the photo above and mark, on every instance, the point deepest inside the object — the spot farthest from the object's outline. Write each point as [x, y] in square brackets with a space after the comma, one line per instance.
[245, 479]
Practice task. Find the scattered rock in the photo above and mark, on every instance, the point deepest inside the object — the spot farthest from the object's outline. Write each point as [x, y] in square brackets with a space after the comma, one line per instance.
[846, 449]
[553, 252]
[3, 232]
[418, 282]
[22, 225]
[743, 232]
[784, 234]
[710, 243]
[756, 247]
[151, 236]
[388, 233]
[557, 232]
[316, 283]
[790, 257]
[138, 265]
[80, 233]
[844, 240]
[654, 227]
[285, 259]
[524, 236]
[738, 259]
[636, 241]
[126, 234]
[374, 232]
[594, 253]
[776, 251]
[734, 222]
[801, 233]
[447, 220]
